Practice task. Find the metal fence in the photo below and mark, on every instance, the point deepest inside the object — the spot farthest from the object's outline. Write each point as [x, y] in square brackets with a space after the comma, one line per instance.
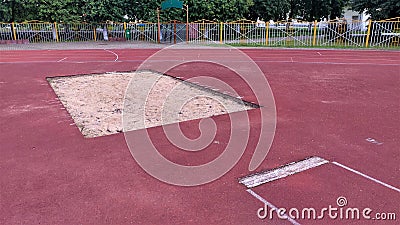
[290, 34]
[205, 32]
[338, 33]
[243, 33]
[173, 32]
[75, 32]
[35, 32]
[342, 33]
[6, 31]
[385, 34]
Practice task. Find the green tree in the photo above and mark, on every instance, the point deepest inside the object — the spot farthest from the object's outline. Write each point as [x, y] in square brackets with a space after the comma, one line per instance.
[226, 10]
[270, 9]
[56, 10]
[5, 12]
[43, 10]
[218, 10]
[143, 10]
[15, 10]
[103, 10]
[336, 8]
[378, 9]
[314, 9]
[311, 10]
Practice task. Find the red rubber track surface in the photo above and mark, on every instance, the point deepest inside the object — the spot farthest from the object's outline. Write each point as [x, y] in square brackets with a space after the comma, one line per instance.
[328, 102]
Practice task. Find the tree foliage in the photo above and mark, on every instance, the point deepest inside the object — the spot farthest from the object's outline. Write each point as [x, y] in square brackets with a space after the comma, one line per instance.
[217, 10]
[378, 9]
[14, 10]
[311, 10]
[270, 9]
[104, 10]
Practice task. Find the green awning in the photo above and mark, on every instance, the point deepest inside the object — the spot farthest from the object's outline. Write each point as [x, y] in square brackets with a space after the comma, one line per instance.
[171, 4]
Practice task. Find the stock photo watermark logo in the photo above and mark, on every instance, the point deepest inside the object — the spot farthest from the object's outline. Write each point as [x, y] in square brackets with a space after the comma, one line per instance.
[140, 142]
[340, 211]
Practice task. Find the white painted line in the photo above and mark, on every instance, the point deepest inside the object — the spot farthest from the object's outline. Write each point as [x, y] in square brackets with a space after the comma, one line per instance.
[328, 102]
[319, 53]
[291, 58]
[281, 172]
[116, 55]
[373, 141]
[62, 59]
[271, 206]
[259, 61]
[366, 176]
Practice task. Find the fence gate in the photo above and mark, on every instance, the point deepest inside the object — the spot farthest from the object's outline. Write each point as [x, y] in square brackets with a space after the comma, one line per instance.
[173, 32]
[342, 33]
[290, 34]
[142, 32]
[36, 32]
[248, 33]
[76, 32]
[6, 31]
[385, 34]
[203, 31]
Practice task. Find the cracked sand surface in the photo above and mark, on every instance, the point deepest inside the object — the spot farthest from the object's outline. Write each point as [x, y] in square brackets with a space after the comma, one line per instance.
[96, 102]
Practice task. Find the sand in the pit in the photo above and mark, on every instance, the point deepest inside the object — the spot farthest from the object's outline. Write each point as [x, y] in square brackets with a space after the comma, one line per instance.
[96, 102]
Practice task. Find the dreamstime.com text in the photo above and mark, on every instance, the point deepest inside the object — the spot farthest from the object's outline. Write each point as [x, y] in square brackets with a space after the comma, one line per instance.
[337, 212]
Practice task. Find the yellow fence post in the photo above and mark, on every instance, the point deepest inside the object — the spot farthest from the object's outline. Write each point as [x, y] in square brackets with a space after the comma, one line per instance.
[94, 33]
[125, 31]
[266, 33]
[14, 31]
[368, 33]
[315, 33]
[203, 31]
[221, 33]
[56, 30]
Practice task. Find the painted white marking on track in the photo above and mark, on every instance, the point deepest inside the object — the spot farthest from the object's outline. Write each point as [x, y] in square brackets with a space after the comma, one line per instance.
[116, 55]
[259, 61]
[373, 141]
[62, 59]
[328, 102]
[319, 53]
[366, 176]
[271, 205]
[282, 172]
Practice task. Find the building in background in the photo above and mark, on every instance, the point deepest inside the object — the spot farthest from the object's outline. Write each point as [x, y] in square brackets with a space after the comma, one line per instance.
[356, 20]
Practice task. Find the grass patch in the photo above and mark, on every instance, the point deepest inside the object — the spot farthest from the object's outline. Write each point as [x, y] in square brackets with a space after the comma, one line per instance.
[291, 45]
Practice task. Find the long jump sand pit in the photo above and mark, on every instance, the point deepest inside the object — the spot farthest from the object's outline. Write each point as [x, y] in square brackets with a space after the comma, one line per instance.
[96, 102]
